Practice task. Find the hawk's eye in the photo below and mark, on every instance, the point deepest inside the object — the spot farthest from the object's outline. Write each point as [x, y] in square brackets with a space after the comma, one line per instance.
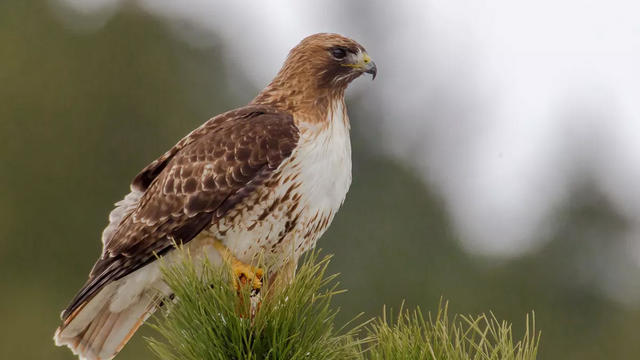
[338, 53]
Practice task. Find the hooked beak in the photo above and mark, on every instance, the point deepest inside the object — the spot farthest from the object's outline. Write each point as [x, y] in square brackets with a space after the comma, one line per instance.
[368, 66]
[364, 64]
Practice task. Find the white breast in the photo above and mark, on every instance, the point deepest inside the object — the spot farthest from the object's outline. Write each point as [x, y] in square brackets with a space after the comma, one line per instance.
[325, 159]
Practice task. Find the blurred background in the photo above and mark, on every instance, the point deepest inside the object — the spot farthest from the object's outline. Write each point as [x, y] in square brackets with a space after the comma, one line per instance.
[496, 156]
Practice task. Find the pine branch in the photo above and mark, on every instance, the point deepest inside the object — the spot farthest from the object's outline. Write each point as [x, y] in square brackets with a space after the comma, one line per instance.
[209, 321]
[411, 336]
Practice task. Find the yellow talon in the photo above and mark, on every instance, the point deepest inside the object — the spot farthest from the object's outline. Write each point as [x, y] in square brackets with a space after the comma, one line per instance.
[243, 273]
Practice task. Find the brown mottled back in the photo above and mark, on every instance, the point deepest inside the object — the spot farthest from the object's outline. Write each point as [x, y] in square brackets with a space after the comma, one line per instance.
[186, 189]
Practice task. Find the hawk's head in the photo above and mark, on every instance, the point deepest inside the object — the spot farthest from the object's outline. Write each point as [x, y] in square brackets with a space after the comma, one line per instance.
[327, 60]
[316, 71]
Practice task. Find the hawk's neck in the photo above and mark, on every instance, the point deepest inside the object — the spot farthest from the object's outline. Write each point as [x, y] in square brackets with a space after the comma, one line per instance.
[307, 102]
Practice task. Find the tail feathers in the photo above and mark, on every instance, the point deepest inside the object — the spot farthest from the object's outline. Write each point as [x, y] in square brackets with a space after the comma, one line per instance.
[94, 332]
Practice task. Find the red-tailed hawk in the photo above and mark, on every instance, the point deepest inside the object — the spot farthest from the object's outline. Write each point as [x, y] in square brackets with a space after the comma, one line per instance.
[262, 180]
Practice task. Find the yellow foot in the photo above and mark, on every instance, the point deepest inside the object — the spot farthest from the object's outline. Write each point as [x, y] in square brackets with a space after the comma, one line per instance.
[243, 273]
[246, 274]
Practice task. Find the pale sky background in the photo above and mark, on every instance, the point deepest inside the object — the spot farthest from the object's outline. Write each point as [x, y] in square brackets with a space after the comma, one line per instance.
[504, 106]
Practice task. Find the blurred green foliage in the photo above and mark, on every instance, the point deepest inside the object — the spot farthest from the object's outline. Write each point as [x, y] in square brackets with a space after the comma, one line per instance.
[81, 113]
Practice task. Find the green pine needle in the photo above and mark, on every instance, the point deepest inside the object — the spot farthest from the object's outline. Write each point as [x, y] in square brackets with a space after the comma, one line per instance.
[411, 336]
[209, 321]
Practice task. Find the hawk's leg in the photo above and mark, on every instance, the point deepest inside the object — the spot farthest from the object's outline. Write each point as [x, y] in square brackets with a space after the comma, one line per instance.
[243, 273]
[284, 276]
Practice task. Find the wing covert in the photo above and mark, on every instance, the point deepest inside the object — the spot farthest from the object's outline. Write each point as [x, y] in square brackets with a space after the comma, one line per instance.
[191, 186]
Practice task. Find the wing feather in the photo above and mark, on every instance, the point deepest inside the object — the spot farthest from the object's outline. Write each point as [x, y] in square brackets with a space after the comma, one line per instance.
[190, 187]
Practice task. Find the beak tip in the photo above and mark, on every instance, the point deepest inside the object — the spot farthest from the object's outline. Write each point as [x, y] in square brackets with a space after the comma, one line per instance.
[373, 70]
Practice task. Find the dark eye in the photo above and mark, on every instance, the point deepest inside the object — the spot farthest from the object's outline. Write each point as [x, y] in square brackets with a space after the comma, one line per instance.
[338, 53]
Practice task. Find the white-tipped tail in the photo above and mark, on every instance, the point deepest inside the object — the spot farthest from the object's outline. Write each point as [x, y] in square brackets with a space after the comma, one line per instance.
[96, 332]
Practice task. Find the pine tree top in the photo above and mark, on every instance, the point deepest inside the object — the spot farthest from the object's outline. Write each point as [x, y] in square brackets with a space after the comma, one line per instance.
[209, 320]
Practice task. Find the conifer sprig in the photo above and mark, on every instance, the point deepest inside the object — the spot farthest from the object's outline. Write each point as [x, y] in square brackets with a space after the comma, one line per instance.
[209, 320]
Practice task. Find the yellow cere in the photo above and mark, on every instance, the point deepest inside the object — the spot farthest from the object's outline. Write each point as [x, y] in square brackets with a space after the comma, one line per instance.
[365, 60]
